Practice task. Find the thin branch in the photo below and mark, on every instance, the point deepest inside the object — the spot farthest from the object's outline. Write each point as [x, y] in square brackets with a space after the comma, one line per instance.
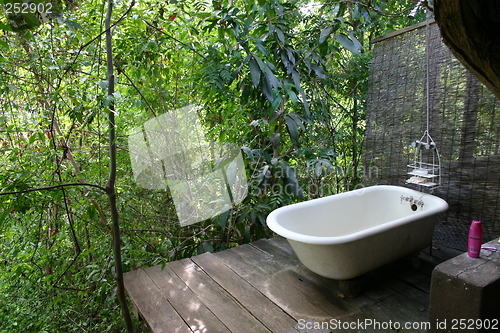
[132, 4]
[53, 187]
[175, 39]
[66, 270]
[71, 221]
[139, 92]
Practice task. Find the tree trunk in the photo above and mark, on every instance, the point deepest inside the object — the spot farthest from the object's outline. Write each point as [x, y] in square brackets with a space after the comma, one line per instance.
[470, 30]
[110, 188]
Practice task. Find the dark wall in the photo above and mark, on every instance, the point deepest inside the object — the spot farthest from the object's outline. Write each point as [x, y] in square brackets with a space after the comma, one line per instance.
[463, 121]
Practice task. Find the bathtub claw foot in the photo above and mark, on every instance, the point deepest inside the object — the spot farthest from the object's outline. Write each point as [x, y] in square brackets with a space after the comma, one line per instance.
[351, 288]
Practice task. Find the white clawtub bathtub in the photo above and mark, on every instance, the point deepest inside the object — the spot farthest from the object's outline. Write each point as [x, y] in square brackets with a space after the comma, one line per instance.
[345, 235]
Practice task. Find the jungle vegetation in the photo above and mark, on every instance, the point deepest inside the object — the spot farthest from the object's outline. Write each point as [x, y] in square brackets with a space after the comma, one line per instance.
[283, 80]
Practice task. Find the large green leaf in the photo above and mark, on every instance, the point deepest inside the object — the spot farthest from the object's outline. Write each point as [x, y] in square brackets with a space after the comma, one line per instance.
[325, 33]
[254, 72]
[281, 36]
[347, 43]
[355, 41]
[291, 94]
[293, 130]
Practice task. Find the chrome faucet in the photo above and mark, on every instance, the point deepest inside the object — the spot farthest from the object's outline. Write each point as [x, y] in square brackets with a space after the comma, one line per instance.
[411, 200]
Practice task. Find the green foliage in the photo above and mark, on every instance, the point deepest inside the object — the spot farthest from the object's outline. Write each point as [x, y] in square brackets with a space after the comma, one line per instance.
[283, 80]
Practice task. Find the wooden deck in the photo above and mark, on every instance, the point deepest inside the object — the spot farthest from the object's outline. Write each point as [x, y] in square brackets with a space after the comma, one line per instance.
[263, 287]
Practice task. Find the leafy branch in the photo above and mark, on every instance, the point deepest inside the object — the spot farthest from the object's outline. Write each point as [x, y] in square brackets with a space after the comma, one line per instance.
[173, 38]
[90, 42]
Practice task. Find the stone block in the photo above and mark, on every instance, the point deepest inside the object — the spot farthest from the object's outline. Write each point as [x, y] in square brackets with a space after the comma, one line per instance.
[465, 292]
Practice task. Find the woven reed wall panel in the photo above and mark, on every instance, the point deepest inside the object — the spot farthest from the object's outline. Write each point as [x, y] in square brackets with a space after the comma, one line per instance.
[464, 122]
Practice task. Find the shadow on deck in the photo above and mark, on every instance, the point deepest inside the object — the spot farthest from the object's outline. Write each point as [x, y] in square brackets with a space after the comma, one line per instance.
[263, 287]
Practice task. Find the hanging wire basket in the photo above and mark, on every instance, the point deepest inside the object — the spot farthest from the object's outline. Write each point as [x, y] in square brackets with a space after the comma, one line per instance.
[425, 171]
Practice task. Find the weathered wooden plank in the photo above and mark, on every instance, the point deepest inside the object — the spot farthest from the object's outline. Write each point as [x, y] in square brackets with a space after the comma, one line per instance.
[160, 316]
[279, 247]
[411, 298]
[263, 287]
[276, 242]
[234, 316]
[398, 308]
[272, 316]
[440, 253]
[419, 278]
[378, 300]
[295, 294]
[194, 312]
[266, 263]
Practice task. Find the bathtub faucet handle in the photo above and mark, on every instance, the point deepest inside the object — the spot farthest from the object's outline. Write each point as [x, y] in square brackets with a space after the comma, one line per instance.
[405, 198]
[420, 202]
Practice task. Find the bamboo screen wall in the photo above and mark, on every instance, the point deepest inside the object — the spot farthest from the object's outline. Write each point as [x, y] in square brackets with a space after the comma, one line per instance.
[464, 123]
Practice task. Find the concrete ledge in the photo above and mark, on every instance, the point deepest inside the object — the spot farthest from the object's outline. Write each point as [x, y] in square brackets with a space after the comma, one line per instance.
[465, 292]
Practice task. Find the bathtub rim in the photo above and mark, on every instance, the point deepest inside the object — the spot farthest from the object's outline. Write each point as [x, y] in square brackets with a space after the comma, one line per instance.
[274, 225]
